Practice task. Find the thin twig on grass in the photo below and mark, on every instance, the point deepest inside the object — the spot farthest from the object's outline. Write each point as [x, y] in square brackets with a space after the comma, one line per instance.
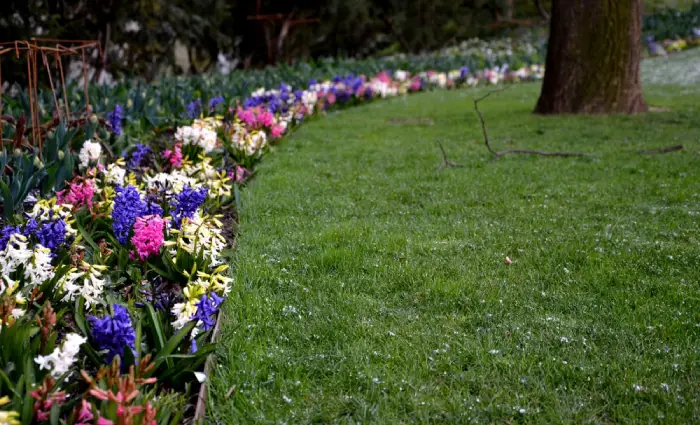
[446, 162]
[662, 150]
[496, 154]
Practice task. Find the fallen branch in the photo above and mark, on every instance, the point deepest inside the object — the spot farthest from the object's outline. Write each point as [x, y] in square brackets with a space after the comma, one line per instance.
[446, 162]
[542, 153]
[662, 150]
[496, 154]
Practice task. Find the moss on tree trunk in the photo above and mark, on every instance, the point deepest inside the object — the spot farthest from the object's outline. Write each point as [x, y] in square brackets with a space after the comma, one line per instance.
[593, 58]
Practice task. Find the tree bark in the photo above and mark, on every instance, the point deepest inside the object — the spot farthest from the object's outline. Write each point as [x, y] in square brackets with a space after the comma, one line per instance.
[593, 56]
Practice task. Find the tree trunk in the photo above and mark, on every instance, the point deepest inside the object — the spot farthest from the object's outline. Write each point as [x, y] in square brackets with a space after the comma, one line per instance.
[593, 58]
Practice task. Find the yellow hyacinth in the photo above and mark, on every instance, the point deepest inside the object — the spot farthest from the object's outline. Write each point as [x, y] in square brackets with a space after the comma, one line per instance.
[8, 417]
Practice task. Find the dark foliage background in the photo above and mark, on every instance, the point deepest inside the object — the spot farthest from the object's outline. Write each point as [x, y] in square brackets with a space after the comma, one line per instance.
[141, 35]
[150, 38]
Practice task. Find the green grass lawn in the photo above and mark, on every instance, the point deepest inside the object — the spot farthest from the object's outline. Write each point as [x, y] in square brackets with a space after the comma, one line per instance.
[371, 288]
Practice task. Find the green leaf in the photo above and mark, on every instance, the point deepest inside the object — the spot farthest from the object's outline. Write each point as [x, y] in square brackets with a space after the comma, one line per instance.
[28, 403]
[173, 343]
[6, 380]
[137, 342]
[87, 237]
[8, 201]
[156, 327]
[55, 412]
[162, 272]
[79, 315]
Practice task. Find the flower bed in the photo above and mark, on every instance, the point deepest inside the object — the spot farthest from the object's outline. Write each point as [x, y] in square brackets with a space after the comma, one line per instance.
[111, 286]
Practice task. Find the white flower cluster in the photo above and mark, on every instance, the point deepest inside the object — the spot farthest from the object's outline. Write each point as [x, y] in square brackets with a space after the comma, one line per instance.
[251, 142]
[172, 182]
[38, 269]
[93, 284]
[184, 312]
[383, 89]
[218, 182]
[401, 75]
[90, 153]
[62, 358]
[309, 98]
[114, 174]
[37, 262]
[197, 136]
[202, 236]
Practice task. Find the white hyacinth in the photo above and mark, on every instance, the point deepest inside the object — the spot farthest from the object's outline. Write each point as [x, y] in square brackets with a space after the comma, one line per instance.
[115, 174]
[89, 153]
[184, 313]
[401, 75]
[172, 182]
[309, 99]
[68, 285]
[255, 141]
[60, 361]
[14, 255]
[38, 269]
[197, 136]
[197, 236]
[92, 287]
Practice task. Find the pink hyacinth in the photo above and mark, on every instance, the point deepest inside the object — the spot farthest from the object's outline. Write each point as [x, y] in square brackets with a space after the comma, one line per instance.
[78, 194]
[277, 130]
[384, 77]
[266, 118]
[239, 174]
[85, 414]
[415, 85]
[148, 236]
[247, 116]
[174, 156]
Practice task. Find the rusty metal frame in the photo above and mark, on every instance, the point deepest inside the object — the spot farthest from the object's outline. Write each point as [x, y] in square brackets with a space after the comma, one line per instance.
[268, 22]
[37, 51]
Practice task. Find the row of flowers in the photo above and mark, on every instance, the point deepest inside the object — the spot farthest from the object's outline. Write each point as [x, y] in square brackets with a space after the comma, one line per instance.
[677, 44]
[110, 290]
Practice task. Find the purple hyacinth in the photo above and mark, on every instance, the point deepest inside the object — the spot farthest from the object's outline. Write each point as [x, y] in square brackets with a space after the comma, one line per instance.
[113, 333]
[252, 102]
[214, 102]
[186, 203]
[5, 234]
[194, 109]
[207, 307]
[140, 153]
[274, 105]
[31, 227]
[115, 119]
[152, 207]
[52, 234]
[127, 206]
[463, 72]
